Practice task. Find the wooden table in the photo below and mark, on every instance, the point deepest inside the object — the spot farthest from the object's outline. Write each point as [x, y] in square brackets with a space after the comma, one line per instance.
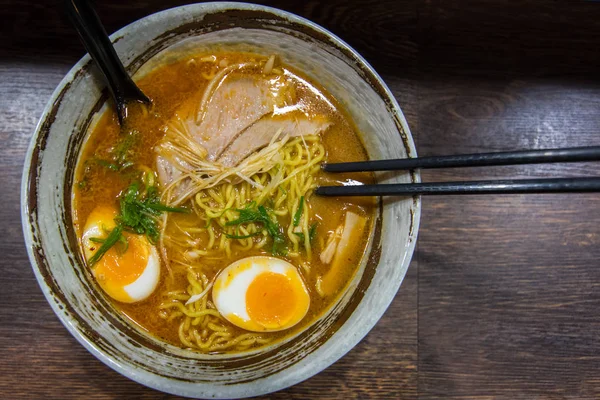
[502, 297]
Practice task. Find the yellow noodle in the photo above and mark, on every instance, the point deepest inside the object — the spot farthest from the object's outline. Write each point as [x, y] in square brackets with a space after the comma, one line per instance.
[183, 337]
[215, 196]
[299, 157]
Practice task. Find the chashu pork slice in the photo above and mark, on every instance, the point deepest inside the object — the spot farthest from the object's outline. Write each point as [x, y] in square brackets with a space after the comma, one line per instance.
[238, 102]
[260, 134]
[227, 108]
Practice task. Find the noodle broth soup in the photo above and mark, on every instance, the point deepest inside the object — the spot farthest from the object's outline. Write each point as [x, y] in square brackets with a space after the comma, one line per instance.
[186, 249]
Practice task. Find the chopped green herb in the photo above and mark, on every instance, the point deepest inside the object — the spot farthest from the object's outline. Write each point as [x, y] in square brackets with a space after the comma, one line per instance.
[139, 214]
[148, 178]
[113, 237]
[119, 155]
[122, 150]
[245, 215]
[162, 208]
[262, 216]
[241, 236]
[126, 164]
[298, 213]
[124, 245]
[272, 226]
[108, 164]
[279, 249]
[312, 231]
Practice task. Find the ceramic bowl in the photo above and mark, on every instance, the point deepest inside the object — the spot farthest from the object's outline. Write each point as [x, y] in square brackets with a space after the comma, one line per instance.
[52, 243]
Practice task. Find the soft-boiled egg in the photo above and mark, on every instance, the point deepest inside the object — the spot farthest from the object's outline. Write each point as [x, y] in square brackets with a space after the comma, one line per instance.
[261, 294]
[127, 276]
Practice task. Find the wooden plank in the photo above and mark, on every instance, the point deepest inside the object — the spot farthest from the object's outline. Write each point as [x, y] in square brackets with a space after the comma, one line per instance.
[508, 285]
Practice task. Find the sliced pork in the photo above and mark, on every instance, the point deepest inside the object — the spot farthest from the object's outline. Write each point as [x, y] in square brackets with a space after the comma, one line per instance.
[232, 101]
[238, 102]
[238, 114]
[260, 134]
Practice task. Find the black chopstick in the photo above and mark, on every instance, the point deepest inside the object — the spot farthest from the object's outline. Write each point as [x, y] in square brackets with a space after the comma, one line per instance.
[575, 154]
[564, 185]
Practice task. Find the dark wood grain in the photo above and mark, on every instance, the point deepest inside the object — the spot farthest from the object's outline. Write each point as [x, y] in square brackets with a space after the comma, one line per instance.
[505, 289]
[508, 285]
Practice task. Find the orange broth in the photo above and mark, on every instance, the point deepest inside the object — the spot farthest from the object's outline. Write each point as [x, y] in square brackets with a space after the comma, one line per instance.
[171, 87]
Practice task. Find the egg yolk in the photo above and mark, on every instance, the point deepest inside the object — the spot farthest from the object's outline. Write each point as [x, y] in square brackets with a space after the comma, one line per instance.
[271, 300]
[116, 269]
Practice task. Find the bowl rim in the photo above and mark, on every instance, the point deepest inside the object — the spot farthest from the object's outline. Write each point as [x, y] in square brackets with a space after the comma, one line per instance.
[147, 378]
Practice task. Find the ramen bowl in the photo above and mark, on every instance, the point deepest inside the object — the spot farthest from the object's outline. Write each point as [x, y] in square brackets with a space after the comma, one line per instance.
[52, 242]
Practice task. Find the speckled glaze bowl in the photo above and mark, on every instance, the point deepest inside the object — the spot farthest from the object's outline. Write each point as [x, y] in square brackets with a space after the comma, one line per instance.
[52, 243]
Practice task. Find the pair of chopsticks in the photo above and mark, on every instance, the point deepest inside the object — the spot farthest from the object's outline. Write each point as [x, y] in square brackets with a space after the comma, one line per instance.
[565, 185]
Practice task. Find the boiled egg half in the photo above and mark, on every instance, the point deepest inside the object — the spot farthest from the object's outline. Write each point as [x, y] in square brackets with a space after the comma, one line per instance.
[127, 276]
[261, 294]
